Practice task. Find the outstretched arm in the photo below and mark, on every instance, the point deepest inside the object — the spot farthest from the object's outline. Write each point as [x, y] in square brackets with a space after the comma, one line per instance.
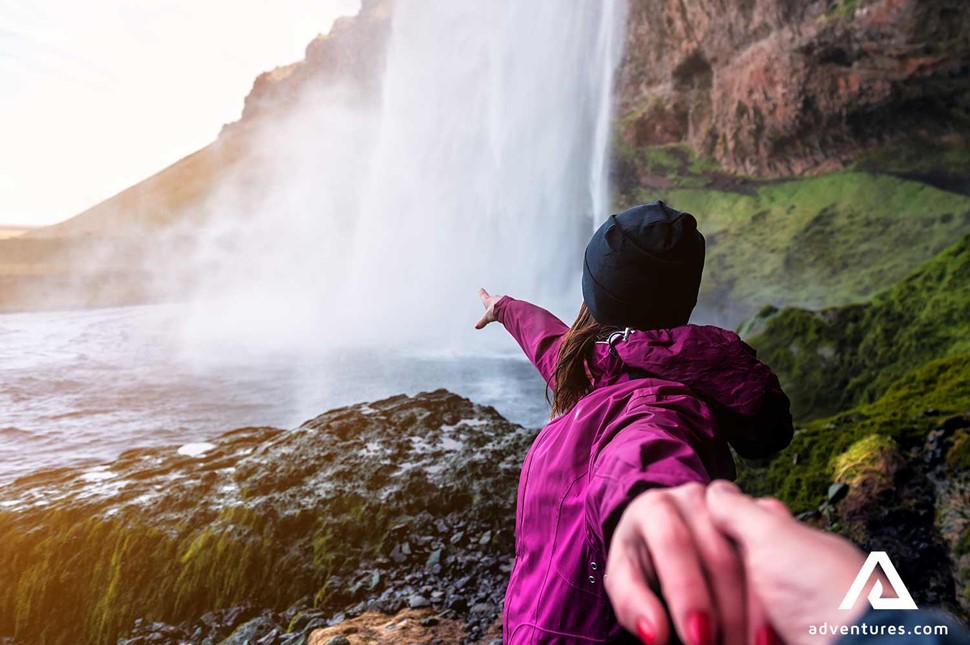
[537, 331]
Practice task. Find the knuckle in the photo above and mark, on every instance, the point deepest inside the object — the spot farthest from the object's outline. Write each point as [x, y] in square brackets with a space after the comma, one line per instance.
[723, 559]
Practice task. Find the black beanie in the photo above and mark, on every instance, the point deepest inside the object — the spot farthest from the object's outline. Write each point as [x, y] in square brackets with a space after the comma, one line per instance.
[643, 268]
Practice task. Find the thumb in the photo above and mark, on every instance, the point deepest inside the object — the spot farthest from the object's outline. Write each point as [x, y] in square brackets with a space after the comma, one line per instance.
[741, 517]
[483, 294]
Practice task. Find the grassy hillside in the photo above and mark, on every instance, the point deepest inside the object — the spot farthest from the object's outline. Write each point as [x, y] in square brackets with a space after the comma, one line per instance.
[807, 242]
[889, 466]
[839, 358]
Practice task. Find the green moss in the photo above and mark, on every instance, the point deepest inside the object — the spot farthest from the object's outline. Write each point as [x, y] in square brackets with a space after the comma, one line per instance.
[99, 575]
[918, 157]
[844, 9]
[862, 459]
[801, 474]
[810, 242]
[839, 358]
[817, 242]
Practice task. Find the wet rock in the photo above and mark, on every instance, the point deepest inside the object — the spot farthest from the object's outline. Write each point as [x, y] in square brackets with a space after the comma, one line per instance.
[418, 601]
[836, 492]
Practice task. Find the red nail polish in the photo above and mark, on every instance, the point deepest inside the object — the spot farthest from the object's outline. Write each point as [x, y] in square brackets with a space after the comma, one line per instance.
[699, 629]
[645, 632]
[767, 636]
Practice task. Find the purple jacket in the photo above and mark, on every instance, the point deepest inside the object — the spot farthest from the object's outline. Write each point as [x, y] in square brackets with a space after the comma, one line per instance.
[664, 407]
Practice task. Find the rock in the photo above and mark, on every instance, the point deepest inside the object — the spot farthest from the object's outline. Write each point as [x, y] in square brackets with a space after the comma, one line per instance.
[267, 514]
[782, 88]
[417, 602]
[408, 627]
[250, 632]
[433, 558]
[836, 492]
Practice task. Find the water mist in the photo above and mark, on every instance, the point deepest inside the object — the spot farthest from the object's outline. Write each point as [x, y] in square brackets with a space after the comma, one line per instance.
[484, 163]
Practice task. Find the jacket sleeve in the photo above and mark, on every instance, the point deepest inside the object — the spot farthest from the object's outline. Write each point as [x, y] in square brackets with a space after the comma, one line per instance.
[653, 448]
[903, 627]
[760, 425]
[536, 331]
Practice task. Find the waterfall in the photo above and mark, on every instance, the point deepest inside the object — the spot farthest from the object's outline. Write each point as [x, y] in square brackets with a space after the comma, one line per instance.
[484, 165]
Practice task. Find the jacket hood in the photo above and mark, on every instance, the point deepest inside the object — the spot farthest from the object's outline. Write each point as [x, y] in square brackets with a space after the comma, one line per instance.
[752, 410]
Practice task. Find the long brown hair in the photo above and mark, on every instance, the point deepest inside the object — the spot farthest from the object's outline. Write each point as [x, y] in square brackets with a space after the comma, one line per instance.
[571, 381]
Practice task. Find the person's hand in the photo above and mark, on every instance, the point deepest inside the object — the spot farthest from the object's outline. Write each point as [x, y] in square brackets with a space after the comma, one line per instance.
[688, 543]
[666, 544]
[489, 303]
[798, 573]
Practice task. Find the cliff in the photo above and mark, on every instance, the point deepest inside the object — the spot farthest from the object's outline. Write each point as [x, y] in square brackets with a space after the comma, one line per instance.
[781, 87]
[108, 254]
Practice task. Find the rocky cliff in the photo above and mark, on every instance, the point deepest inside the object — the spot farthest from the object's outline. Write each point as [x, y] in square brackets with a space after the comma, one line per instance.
[784, 87]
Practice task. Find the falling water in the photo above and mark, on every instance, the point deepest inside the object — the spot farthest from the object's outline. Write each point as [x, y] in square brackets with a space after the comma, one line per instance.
[483, 165]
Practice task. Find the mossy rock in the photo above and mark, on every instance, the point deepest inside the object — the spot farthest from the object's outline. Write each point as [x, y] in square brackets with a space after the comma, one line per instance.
[800, 474]
[870, 457]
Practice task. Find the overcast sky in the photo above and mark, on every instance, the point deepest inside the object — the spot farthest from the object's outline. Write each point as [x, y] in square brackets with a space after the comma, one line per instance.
[96, 95]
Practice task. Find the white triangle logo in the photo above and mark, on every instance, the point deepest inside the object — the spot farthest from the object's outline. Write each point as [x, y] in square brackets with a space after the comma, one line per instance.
[902, 600]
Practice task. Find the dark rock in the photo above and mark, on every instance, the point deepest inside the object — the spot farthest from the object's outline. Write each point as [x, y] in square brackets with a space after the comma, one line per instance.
[836, 492]
[250, 632]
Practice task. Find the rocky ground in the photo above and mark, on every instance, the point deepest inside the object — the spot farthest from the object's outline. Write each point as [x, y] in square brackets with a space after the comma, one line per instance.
[266, 535]
[389, 522]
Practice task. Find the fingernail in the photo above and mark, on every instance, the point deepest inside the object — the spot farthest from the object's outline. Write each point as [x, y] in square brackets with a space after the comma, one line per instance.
[723, 486]
[767, 636]
[645, 631]
[699, 629]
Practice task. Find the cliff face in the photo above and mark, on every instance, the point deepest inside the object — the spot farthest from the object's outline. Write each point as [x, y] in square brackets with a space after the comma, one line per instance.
[780, 87]
[352, 53]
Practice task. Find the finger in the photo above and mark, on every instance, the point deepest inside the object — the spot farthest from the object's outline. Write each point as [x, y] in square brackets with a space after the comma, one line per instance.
[738, 516]
[683, 582]
[743, 518]
[759, 626]
[724, 570]
[482, 322]
[627, 583]
[774, 506]
[484, 296]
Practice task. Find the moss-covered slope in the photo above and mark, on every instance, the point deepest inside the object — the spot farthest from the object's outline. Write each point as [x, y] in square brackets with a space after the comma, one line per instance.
[838, 358]
[888, 466]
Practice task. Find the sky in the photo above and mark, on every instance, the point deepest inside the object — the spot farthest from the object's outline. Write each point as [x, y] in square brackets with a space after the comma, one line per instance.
[97, 95]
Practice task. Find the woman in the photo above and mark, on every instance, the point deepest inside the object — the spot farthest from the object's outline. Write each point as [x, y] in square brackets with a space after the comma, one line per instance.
[640, 400]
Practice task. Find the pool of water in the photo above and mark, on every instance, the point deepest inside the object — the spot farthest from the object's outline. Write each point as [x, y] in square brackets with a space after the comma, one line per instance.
[78, 388]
